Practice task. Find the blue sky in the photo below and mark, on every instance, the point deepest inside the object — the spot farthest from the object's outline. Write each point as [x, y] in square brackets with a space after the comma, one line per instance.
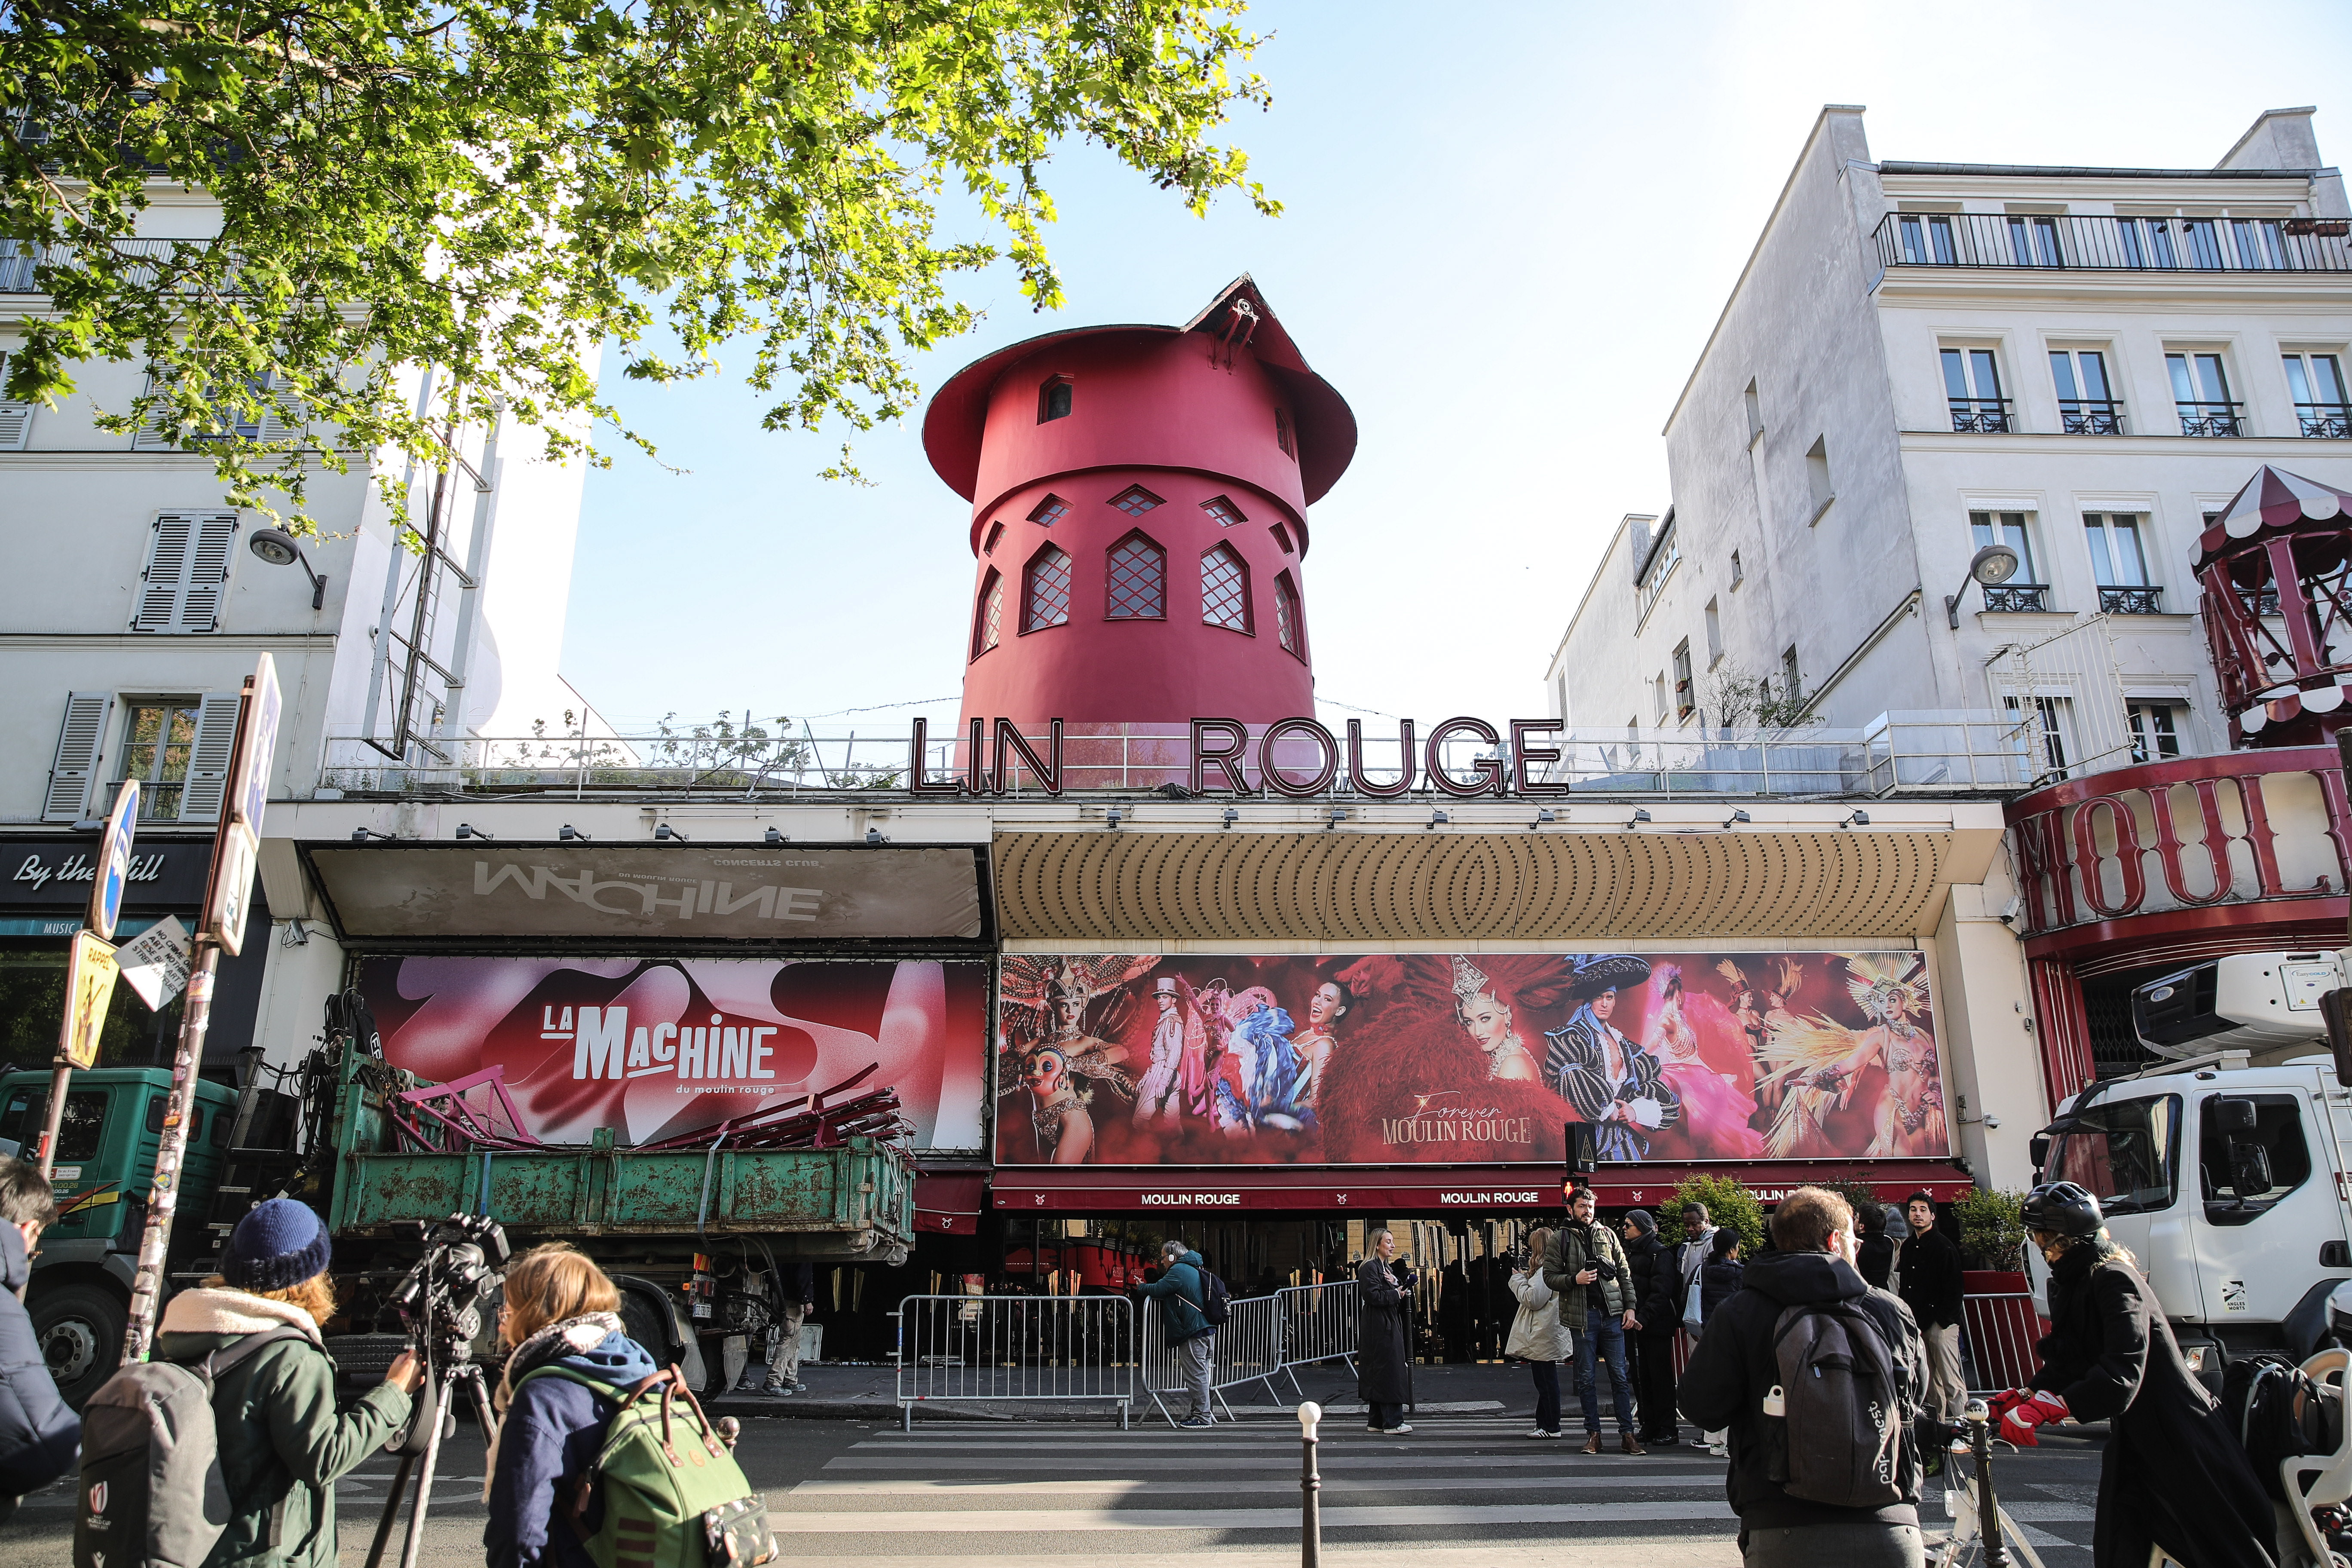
[1508, 231]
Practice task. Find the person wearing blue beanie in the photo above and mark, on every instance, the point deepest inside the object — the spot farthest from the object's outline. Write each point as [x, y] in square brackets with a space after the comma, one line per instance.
[283, 1443]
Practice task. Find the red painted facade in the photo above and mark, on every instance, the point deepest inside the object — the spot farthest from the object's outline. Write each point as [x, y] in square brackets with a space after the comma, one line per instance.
[1139, 521]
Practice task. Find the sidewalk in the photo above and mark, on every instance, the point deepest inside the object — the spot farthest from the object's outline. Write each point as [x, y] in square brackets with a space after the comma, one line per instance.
[848, 1392]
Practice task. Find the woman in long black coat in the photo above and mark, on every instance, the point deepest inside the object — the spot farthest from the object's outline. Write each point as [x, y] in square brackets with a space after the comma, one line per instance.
[1384, 1337]
[2173, 1474]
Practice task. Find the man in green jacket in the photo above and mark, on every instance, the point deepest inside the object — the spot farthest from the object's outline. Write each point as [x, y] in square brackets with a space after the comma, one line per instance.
[1182, 1293]
[283, 1444]
[1587, 1269]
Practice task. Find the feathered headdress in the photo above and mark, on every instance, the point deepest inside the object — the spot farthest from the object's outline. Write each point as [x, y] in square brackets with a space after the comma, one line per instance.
[1880, 989]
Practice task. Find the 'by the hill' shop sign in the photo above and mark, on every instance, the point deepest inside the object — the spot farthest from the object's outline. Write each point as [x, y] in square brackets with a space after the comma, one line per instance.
[1469, 1060]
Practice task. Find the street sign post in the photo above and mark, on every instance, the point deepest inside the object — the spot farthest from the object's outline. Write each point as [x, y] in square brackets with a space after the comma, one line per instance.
[220, 928]
[89, 978]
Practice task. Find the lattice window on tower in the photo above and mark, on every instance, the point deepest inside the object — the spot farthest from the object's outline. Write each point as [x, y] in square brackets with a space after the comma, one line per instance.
[1134, 500]
[1282, 539]
[1047, 601]
[989, 624]
[1224, 590]
[995, 532]
[1289, 626]
[1138, 580]
[1223, 509]
[1053, 399]
[1049, 511]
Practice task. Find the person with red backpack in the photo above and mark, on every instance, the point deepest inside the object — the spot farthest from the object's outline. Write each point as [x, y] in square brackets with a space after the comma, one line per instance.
[1818, 1379]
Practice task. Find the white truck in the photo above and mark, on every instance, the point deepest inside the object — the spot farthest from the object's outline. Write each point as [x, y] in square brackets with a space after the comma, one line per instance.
[2227, 1170]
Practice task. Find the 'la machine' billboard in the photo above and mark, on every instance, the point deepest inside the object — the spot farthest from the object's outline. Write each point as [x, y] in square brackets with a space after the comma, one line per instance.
[657, 1046]
[1466, 1057]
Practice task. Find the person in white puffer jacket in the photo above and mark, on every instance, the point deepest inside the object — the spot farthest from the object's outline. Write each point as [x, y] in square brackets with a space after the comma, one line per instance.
[1538, 1336]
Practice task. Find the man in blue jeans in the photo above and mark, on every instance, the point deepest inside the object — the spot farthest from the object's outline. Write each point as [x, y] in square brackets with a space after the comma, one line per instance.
[1586, 1267]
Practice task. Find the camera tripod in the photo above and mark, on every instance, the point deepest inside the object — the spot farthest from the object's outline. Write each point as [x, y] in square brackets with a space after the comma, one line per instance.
[439, 1393]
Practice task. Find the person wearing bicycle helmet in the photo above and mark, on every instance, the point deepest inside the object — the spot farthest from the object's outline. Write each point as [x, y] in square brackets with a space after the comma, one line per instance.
[2173, 1474]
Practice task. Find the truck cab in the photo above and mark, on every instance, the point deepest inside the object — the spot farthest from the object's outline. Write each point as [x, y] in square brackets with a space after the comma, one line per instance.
[2228, 1181]
[79, 1299]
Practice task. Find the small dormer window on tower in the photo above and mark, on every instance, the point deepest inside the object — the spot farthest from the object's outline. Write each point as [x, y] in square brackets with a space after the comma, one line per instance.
[1053, 399]
[1134, 500]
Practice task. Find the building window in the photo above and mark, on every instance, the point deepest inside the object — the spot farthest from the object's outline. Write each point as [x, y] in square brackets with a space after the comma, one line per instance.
[1755, 407]
[1738, 576]
[1223, 509]
[2317, 383]
[1138, 580]
[2200, 394]
[1926, 240]
[1289, 627]
[2259, 245]
[987, 623]
[1224, 590]
[1686, 694]
[1053, 399]
[1281, 433]
[2042, 738]
[1792, 682]
[1046, 597]
[1817, 477]
[2024, 590]
[1134, 500]
[1049, 511]
[2034, 241]
[1282, 539]
[15, 419]
[158, 743]
[1972, 386]
[995, 532]
[187, 573]
[1714, 635]
[2086, 405]
[2156, 731]
[1659, 695]
[2119, 564]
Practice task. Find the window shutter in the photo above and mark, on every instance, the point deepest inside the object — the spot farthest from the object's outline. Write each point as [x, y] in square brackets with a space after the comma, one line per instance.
[288, 426]
[215, 753]
[160, 433]
[167, 572]
[207, 573]
[187, 565]
[15, 425]
[78, 750]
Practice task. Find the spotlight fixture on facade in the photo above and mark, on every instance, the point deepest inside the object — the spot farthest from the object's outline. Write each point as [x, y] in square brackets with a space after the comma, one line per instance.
[1995, 563]
[1640, 816]
[775, 835]
[568, 832]
[664, 830]
[874, 840]
[1339, 814]
[1438, 820]
[1735, 817]
[362, 835]
[277, 547]
[1543, 817]
[1231, 816]
[1110, 817]
[1859, 819]
[468, 830]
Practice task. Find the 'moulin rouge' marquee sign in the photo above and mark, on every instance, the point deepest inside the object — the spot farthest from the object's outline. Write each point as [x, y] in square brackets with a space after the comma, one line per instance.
[1298, 758]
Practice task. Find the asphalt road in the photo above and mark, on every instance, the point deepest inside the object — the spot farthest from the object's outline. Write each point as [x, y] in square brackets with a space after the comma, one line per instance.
[1459, 1491]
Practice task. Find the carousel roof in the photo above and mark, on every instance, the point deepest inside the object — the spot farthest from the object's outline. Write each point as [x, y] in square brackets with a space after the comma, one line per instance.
[2271, 499]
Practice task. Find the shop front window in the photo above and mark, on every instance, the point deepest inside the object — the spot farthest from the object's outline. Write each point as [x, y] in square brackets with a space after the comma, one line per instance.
[32, 1006]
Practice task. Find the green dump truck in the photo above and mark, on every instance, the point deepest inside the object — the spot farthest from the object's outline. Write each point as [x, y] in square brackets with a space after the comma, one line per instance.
[694, 1238]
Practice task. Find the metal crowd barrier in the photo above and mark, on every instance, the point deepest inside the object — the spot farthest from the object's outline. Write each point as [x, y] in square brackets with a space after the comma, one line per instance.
[1319, 1323]
[1015, 1348]
[1999, 1333]
[1262, 1337]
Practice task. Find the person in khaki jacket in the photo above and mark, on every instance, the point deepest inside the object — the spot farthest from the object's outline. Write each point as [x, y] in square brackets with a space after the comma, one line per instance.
[1587, 1269]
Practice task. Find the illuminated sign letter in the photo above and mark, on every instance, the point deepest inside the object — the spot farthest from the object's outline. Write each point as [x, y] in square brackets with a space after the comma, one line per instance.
[602, 1043]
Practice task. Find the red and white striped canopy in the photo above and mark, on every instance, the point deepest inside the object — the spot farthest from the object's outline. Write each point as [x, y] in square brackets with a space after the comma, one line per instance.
[2273, 498]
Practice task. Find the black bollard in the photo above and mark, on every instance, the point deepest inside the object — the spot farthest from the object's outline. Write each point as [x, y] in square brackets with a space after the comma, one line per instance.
[1979, 1420]
[1310, 1486]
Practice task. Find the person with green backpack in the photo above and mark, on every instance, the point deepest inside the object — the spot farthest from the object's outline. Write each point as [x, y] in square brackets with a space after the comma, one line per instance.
[600, 1456]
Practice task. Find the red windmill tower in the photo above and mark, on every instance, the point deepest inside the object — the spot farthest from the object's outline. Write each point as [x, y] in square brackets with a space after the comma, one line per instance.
[2276, 574]
[1138, 520]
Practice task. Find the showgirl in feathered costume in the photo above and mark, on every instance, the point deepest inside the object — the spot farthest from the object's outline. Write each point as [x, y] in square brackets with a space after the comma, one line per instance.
[1817, 1062]
[1045, 1001]
[1715, 1110]
[1262, 1089]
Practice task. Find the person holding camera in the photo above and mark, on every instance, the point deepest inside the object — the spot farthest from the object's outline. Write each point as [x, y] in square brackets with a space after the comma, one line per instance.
[1384, 1336]
[560, 1310]
[283, 1444]
[1587, 1269]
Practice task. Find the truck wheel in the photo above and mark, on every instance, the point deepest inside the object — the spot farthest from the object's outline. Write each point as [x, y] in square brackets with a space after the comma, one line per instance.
[79, 1328]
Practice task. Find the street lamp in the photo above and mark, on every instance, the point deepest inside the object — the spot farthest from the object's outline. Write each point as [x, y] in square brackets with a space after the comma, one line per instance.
[1993, 563]
[277, 546]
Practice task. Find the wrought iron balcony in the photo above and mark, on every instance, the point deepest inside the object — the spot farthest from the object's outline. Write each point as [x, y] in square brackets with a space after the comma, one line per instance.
[2017, 597]
[1981, 415]
[2211, 418]
[2328, 421]
[2114, 601]
[2115, 244]
[2088, 418]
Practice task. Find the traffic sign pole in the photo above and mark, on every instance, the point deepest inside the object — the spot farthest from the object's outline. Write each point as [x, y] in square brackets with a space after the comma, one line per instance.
[105, 908]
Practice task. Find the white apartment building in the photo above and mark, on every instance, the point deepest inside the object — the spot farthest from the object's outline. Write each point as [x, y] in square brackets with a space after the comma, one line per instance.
[1921, 359]
[133, 607]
